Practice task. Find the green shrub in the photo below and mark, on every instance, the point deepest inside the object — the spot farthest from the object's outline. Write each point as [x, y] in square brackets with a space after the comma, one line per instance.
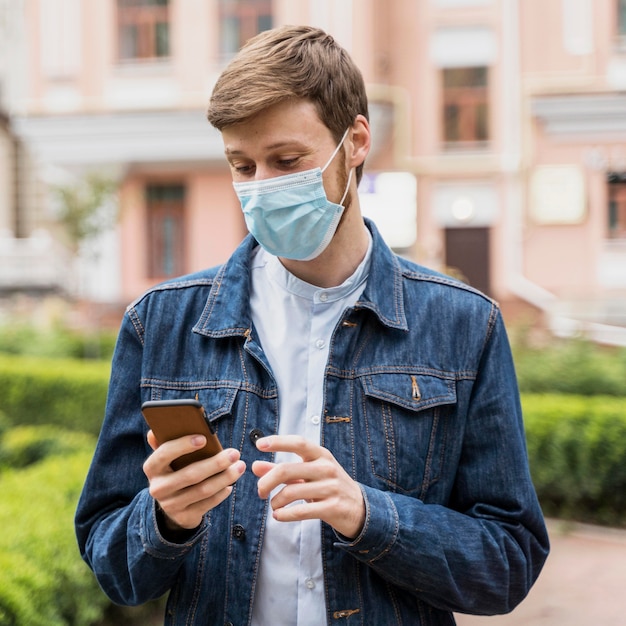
[573, 366]
[43, 580]
[577, 453]
[5, 424]
[67, 393]
[25, 445]
[59, 342]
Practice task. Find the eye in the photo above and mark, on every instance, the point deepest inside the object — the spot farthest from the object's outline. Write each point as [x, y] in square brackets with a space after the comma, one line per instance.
[287, 163]
[242, 169]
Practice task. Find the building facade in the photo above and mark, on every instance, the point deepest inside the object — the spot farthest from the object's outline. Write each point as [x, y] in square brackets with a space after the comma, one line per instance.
[503, 123]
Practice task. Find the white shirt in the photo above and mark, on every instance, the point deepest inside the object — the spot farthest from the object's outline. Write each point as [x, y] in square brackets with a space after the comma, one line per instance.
[295, 321]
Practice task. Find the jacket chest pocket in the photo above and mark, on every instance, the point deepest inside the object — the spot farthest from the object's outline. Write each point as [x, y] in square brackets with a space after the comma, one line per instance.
[407, 418]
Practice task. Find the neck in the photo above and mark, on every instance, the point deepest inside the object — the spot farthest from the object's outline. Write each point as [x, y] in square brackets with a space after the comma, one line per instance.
[340, 260]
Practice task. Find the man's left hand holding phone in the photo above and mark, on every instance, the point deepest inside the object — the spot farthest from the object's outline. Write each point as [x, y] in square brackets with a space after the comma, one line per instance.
[188, 472]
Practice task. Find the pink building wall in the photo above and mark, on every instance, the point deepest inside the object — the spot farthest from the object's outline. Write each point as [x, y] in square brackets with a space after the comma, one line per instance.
[550, 64]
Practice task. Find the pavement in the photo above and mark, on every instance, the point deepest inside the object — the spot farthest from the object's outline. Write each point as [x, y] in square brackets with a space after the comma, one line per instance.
[583, 582]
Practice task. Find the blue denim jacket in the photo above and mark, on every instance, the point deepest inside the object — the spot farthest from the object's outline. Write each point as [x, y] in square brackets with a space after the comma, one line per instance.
[421, 407]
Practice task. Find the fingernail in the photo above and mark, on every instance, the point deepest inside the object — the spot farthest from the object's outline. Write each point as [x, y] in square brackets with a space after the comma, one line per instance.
[198, 440]
[233, 455]
[263, 443]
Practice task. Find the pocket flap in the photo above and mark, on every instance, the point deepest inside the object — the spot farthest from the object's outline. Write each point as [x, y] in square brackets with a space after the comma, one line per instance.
[411, 391]
[218, 402]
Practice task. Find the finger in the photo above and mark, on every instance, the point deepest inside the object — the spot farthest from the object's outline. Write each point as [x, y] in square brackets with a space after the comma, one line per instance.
[193, 474]
[187, 505]
[152, 441]
[301, 492]
[343, 509]
[222, 464]
[260, 468]
[201, 490]
[190, 516]
[299, 512]
[168, 451]
[306, 450]
[290, 473]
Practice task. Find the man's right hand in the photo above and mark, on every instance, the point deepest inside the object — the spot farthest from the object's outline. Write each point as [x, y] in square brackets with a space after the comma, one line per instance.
[184, 496]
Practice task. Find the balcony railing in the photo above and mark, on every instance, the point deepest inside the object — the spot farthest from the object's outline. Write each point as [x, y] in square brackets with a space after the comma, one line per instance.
[36, 263]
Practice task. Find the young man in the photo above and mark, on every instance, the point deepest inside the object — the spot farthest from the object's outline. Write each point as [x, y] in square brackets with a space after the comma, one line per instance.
[374, 469]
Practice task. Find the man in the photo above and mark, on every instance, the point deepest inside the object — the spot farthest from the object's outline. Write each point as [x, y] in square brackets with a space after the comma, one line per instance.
[374, 469]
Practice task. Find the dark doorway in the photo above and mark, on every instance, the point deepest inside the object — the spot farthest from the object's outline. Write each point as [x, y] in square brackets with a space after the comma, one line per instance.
[467, 254]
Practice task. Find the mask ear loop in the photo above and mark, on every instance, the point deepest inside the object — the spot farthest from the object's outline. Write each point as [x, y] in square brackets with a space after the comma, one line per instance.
[334, 154]
[345, 193]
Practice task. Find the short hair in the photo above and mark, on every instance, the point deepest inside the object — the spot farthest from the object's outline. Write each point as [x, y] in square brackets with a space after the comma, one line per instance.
[290, 62]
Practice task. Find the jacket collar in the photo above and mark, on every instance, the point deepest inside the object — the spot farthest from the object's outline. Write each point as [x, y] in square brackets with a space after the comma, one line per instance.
[227, 309]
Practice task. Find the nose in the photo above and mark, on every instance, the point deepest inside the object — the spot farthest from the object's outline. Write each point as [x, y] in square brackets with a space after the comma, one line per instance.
[263, 172]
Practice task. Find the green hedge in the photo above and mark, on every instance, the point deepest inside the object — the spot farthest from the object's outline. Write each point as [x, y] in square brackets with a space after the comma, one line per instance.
[575, 366]
[43, 580]
[64, 392]
[577, 453]
[58, 342]
[26, 445]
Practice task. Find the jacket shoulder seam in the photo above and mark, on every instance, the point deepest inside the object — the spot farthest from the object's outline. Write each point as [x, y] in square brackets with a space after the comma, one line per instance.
[446, 281]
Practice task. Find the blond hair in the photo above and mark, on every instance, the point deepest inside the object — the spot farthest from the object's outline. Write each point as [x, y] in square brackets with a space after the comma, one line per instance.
[290, 62]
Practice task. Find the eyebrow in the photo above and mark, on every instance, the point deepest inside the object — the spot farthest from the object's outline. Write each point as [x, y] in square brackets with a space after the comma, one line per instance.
[274, 146]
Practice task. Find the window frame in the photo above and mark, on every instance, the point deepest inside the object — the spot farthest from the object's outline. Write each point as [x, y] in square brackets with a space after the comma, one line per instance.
[620, 25]
[145, 16]
[165, 259]
[246, 16]
[472, 128]
[616, 206]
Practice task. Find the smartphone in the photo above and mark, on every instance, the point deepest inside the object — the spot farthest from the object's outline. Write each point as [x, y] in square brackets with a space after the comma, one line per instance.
[171, 419]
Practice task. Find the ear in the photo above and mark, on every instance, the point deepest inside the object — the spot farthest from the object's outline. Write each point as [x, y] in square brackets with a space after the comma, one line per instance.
[360, 140]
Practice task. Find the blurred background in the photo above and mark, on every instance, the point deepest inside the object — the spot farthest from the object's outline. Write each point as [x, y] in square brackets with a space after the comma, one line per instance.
[499, 148]
[499, 157]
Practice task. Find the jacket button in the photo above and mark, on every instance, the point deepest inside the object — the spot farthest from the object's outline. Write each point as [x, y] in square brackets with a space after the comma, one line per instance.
[239, 532]
[255, 435]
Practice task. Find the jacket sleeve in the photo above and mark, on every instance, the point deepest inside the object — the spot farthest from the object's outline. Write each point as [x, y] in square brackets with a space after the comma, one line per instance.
[115, 520]
[483, 551]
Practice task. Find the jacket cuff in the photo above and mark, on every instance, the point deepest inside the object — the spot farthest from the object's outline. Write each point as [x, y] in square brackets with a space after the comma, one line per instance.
[161, 543]
[380, 530]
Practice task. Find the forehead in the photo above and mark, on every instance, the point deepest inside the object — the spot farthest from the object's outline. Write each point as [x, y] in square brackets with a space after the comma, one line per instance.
[289, 122]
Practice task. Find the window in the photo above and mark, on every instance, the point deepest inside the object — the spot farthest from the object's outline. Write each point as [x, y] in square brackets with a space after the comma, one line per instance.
[165, 204]
[240, 20]
[143, 29]
[617, 206]
[465, 105]
[621, 18]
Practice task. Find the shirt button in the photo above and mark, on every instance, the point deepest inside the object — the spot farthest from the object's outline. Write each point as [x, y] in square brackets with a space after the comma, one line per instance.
[320, 343]
[315, 419]
[323, 297]
[310, 583]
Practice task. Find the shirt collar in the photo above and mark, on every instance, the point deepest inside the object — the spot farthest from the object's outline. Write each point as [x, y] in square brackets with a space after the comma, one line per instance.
[227, 310]
[294, 285]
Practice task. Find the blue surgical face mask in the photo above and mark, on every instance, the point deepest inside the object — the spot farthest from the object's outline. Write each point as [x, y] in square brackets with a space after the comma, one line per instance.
[290, 216]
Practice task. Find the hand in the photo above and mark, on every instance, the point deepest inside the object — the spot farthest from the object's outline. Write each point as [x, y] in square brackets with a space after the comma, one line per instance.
[327, 491]
[187, 494]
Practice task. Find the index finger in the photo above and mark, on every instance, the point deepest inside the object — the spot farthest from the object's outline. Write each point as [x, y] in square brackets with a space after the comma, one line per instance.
[305, 449]
[169, 451]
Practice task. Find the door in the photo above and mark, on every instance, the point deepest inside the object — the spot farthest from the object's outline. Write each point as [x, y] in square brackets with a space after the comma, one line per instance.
[467, 255]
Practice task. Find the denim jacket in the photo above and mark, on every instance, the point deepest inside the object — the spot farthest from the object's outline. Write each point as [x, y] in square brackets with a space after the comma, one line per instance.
[421, 407]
